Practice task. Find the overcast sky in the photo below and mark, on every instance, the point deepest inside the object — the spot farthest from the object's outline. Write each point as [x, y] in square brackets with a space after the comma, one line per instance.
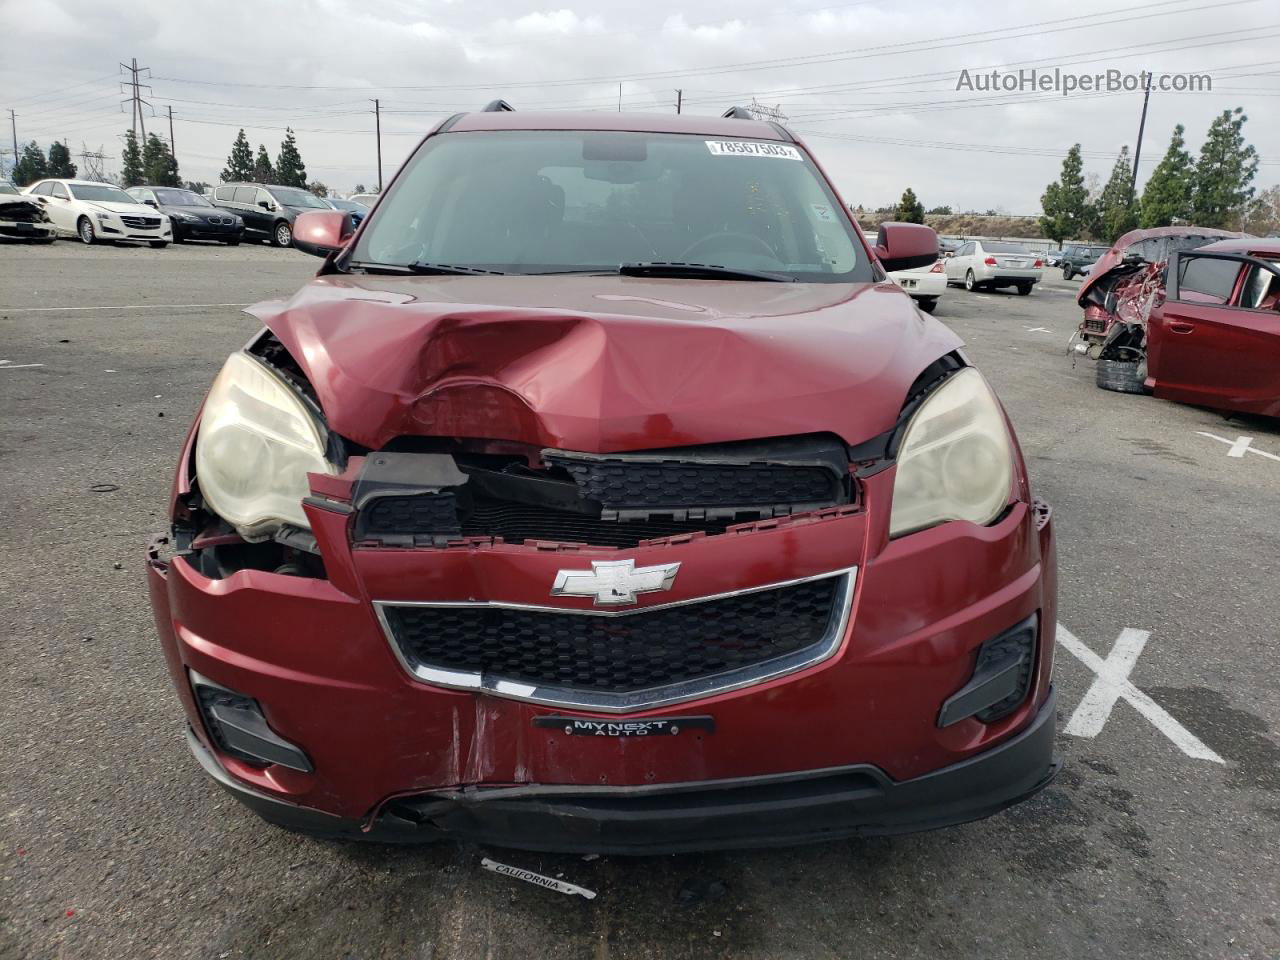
[870, 85]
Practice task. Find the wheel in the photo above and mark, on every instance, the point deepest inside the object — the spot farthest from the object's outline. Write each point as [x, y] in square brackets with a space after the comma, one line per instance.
[157, 244]
[85, 229]
[1024, 289]
[970, 281]
[927, 304]
[1122, 376]
[1067, 273]
[282, 235]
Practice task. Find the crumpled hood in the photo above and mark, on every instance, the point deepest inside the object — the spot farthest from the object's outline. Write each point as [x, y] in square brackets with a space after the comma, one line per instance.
[604, 364]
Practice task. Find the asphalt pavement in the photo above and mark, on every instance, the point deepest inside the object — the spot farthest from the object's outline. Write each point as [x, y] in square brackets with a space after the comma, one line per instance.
[1159, 839]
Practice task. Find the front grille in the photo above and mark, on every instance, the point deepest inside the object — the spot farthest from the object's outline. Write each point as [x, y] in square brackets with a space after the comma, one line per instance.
[621, 653]
[1095, 324]
[625, 485]
[141, 223]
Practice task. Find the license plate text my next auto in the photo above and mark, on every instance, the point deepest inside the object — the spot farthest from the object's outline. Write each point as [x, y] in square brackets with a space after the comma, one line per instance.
[655, 727]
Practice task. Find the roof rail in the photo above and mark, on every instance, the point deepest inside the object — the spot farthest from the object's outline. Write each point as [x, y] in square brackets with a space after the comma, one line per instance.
[738, 113]
[498, 106]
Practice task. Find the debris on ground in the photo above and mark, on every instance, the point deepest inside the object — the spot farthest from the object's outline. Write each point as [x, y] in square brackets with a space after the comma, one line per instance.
[537, 879]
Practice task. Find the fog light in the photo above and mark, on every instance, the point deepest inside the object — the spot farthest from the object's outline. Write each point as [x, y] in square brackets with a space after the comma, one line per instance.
[236, 725]
[1001, 677]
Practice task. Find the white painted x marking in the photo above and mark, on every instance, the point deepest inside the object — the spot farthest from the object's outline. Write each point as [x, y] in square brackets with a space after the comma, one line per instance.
[1112, 684]
[1038, 330]
[1239, 446]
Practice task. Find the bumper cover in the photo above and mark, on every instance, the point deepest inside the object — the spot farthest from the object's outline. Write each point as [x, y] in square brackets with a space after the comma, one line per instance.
[777, 810]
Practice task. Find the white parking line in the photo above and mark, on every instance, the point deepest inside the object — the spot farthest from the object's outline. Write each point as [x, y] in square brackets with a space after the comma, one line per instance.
[10, 365]
[1112, 684]
[127, 306]
[1239, 446]
[1038, 330]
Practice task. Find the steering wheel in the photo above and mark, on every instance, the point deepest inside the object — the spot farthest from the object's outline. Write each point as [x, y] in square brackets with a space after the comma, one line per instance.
[738, 242]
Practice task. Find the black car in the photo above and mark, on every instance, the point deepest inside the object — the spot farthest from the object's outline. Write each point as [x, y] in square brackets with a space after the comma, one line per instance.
[193, 216]
[268, 210]
[1078, 258]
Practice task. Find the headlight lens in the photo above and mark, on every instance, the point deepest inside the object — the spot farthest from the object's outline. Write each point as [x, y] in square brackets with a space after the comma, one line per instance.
[956, 460]
[257, 443]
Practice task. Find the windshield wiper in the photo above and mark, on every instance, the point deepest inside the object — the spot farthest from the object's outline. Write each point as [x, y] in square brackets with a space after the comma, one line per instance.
[698, 271]
[422, 268]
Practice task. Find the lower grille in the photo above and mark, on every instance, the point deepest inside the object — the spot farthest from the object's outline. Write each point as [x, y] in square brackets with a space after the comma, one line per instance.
[625, 660]
[141, 223]
[1095, 324]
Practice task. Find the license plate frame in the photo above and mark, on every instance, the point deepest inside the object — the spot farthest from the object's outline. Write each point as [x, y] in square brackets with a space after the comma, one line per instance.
[624, 729]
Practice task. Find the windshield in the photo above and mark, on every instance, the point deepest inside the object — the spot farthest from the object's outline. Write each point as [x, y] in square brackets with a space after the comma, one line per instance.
[180, 198]
[1003, 247]
[349, 205]
[99, 193]
[8, 188]
[298, 198]
[556, 202]
[1096, 252]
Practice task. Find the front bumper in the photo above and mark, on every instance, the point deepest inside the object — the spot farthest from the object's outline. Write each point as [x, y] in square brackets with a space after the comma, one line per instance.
[779, 810]
[208, 231]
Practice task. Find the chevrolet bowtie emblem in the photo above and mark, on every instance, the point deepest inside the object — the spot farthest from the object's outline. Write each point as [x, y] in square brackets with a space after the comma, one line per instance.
[614, 581]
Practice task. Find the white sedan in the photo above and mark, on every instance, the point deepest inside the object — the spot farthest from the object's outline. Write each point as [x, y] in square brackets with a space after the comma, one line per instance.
[97, 212]
[986, 264]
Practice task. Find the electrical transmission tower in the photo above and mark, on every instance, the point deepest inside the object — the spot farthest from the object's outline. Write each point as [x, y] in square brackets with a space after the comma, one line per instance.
[760, 111]
[91, 163]
[135, 101]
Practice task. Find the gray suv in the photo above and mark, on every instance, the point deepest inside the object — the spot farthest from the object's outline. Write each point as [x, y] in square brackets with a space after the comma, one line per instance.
[268, 210]
[1078, 258]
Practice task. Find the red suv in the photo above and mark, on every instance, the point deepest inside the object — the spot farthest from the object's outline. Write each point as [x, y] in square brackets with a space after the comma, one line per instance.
[602, 493]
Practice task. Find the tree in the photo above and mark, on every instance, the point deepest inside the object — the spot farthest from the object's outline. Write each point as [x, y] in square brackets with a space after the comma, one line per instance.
[1168, 194]
[943, 211]
[1065, 202]
[60, 164]
[31, 166]
[197, 186]
[1226, 167]
[239, 161]
[132, 173]
[158, 165]
[263, 172]
[1115, 214]
[359, 188]
[910, 210]
[1263, 217]
[318, 188]
[290, 170]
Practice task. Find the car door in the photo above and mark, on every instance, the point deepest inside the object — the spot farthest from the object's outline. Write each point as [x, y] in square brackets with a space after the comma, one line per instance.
[956, 266]
[62, 211]
[246, 205]
[1216, 339]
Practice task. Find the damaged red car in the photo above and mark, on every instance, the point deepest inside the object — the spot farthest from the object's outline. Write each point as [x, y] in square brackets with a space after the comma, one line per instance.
[601, 493]
[1189, 316]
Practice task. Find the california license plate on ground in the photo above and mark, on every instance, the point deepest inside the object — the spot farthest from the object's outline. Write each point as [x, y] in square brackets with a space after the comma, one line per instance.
[654, 727]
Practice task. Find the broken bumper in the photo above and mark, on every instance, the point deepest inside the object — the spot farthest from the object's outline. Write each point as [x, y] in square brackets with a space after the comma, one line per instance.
[781, 810]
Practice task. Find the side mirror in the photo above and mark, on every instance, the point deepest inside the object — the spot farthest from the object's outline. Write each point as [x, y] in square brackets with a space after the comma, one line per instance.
[151, 203]
[265, 204]
[903, 246]
[322, 232]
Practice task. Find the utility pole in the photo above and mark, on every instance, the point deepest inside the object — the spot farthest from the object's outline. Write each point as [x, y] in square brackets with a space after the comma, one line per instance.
[619, 97]
[1142, 124]
[172, 149]
[135, 99]
[13, 122]
[679, 100]
[377, 125]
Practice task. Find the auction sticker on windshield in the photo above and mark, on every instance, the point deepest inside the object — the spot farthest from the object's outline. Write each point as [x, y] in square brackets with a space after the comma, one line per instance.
[752, 148]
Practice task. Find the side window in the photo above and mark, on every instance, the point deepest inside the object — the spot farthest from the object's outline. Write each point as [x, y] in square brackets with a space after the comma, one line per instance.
[1207, 280]
[60, 191]
[42, 189]
[262, 196]
[966, 250]
[1260, 290]
[223, 194]
[246, 195]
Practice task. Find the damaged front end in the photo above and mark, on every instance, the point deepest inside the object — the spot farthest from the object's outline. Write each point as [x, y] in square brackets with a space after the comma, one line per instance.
[24, 219]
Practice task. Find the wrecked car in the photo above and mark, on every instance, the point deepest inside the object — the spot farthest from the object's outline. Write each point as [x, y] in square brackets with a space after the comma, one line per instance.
[1202, 327]
[601, 493]
[23, 219]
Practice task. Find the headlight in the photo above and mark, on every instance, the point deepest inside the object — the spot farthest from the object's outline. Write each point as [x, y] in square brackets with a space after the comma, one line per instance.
[184, 218]
[256, 444]
[104, 216]
[956, 460]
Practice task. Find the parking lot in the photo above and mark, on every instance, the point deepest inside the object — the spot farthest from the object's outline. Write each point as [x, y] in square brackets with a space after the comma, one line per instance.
[1158, 839]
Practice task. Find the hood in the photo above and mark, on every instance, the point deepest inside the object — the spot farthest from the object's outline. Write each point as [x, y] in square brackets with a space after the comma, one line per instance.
[604, 364]
[193, 211]
[132, 209]
[1114, 257]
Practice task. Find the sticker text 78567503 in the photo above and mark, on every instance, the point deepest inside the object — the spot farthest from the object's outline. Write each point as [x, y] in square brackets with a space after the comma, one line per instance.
[752, 148]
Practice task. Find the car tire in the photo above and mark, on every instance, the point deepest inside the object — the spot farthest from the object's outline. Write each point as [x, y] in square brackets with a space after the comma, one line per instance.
[970, 281]
[281, 235]
[1122, 376]
[927, 304]
[84, 229]
[1024, 289]
[157, 244]
[1068, 273]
